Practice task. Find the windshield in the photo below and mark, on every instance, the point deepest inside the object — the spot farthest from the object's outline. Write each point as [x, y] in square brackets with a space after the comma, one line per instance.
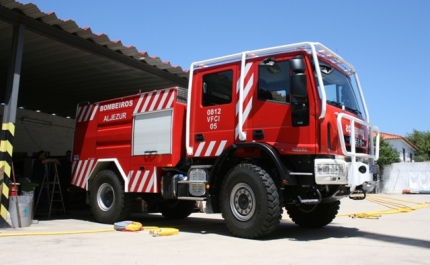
[339, 90]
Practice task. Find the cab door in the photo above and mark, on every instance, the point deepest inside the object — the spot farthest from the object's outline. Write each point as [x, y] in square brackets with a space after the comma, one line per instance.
[281, 118]
[212, 111]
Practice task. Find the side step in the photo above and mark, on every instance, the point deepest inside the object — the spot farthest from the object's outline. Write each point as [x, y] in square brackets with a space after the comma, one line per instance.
[311, 201]
[308, 201]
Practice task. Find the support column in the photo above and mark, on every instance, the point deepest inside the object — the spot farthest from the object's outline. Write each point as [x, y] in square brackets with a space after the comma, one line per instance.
[9, 118]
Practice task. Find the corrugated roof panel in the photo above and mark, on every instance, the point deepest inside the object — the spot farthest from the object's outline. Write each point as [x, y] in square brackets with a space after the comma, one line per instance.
[101, 39]
[32, 11]
[50, 18]
[56, 75]
[71, 26]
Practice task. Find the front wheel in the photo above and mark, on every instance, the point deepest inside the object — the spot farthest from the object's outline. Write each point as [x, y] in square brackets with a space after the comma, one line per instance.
[176, 209]
[250, 202]
[313, 216]
[109, 203]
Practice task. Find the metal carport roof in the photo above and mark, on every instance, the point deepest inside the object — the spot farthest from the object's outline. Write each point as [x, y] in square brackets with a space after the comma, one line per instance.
[63, 64]
[51, 65]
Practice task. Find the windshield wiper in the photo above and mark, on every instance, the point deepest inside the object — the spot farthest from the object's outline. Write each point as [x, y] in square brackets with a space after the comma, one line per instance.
[355, 111]
[334, 103]
[340, 105]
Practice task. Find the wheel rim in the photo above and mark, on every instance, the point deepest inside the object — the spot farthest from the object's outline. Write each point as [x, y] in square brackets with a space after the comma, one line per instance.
[105, 197]
[242, 202]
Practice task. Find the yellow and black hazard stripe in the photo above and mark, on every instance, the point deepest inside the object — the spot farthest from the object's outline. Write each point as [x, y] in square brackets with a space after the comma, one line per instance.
[6, 149]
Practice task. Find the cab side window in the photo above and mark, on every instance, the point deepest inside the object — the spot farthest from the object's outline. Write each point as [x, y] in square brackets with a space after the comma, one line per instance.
[273, 82]
[217, 88]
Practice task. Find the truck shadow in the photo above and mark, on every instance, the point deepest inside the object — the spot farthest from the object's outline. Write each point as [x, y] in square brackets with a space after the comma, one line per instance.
[286, 230]
[292, 232]
[214, 224]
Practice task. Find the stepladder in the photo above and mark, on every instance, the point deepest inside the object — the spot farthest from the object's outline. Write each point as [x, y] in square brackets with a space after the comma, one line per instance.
[51, 191]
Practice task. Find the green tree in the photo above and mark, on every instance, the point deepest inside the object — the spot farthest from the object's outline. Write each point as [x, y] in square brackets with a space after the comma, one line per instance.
[420, 139]
[387, 155]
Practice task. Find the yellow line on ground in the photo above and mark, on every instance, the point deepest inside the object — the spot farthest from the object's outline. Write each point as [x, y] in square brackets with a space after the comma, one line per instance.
[70, 232]
[58, 233]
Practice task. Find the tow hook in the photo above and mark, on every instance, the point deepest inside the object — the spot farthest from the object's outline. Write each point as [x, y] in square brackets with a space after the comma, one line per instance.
[358, 194]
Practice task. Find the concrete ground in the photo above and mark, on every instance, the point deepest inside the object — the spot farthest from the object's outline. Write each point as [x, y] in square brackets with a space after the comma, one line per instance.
[394, 238]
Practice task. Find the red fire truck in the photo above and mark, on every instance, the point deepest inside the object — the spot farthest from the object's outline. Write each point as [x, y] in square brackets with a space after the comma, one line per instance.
[254, 132]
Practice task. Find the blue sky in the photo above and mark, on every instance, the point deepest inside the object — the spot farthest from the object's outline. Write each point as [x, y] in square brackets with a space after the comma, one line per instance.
[387, 41]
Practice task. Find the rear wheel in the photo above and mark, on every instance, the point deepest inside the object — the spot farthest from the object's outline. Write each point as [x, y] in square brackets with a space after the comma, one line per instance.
[250, 202]
[313, 216]
[109, 203]
[176, 209]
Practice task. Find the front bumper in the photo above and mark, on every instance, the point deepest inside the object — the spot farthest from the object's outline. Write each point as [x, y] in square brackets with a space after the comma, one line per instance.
[340, 172]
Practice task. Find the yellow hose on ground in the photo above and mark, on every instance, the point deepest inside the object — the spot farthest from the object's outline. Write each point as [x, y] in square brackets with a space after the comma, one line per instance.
[389, 202]
[163, 231]
[392, 203]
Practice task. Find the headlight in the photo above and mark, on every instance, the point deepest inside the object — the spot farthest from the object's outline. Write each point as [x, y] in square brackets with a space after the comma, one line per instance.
[330, 167]
[331, 171]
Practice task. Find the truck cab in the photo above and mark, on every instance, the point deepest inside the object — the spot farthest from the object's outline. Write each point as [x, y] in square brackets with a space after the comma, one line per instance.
[302, 99]
[295, 111]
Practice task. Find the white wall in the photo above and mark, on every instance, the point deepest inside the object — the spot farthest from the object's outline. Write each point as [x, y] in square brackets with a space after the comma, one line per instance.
[399, 144]
[400, 176]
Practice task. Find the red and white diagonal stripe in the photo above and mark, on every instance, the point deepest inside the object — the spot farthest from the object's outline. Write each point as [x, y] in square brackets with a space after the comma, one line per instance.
[155, 100]
[80, 171]
[247, 97]
[138, 181]
[213, 148]
[142, 181]
[86, 113]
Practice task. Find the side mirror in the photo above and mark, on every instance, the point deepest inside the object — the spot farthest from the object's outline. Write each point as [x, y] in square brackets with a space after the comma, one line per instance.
[299, 86]
[298, 77]
[297, 64]
[299, 92]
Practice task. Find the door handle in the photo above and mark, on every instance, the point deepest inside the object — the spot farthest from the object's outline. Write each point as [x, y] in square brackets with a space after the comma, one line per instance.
[258, 134]
[199, 138]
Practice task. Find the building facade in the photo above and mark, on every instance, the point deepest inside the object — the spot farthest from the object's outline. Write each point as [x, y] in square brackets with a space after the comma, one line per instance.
[405, 148]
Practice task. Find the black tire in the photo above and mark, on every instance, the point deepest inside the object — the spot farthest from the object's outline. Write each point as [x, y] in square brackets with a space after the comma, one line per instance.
[108, 201]
[176, 209]
[250, 202]
[313, 216]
